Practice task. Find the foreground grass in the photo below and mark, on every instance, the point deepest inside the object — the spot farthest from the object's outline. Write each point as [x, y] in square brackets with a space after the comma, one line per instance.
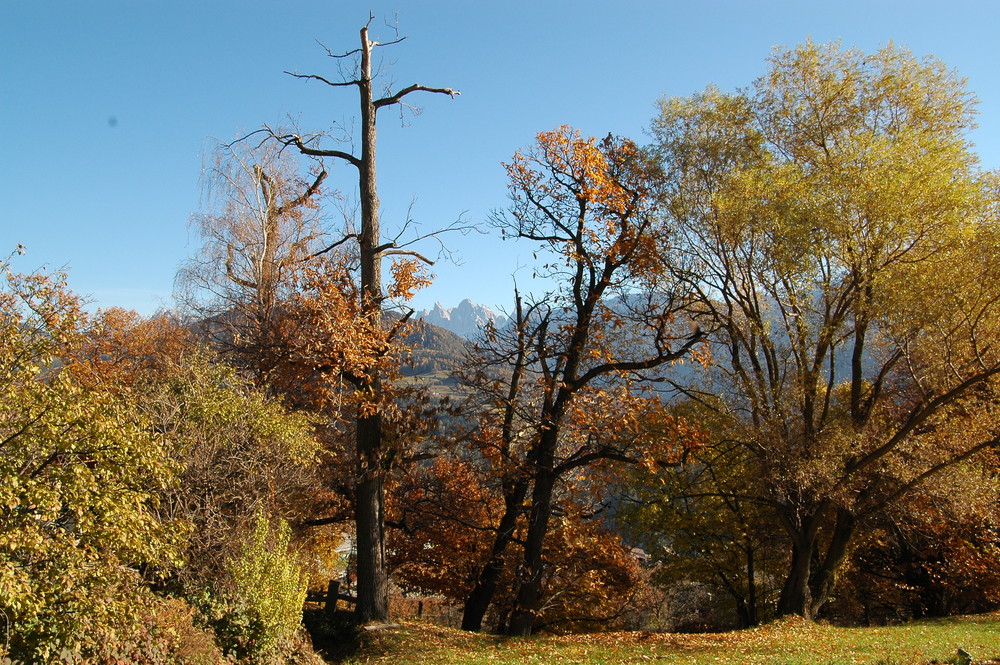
[791, 642]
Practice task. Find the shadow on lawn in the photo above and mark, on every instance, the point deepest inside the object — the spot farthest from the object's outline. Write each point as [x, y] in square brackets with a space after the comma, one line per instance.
[335, 636]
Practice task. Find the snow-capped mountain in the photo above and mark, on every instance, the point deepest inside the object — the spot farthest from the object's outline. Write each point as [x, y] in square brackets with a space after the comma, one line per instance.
[467, 319]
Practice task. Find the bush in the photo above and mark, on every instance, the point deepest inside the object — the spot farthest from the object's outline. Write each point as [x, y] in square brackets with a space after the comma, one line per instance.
[259, 617]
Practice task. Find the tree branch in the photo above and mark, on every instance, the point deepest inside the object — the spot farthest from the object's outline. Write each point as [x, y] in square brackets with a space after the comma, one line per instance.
[395, 99]
[296, 140]
[335, 84]
[337, 244]
[906, 487]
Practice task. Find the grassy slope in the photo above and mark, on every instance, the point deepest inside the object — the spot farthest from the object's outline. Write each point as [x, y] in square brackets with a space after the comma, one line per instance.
[782, 643]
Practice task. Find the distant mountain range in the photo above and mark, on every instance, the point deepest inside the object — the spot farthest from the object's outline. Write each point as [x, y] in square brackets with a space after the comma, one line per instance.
[465, 320]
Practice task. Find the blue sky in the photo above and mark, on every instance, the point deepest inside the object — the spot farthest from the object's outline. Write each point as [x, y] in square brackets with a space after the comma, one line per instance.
[107, 108]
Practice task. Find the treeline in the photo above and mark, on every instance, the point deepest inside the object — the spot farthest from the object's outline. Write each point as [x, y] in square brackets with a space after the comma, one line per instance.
[769, 358]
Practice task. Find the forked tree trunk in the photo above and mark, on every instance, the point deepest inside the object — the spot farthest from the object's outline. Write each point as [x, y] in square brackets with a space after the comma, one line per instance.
[825, 576]
[752, 616]
[796, 597]
[530, 589]
[482, 593]
[812, 574]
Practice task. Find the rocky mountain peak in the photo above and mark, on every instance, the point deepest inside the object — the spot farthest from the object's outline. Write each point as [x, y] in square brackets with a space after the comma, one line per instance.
[466, 319]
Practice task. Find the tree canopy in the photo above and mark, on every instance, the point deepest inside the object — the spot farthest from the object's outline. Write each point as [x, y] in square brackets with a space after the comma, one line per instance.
[842, 237]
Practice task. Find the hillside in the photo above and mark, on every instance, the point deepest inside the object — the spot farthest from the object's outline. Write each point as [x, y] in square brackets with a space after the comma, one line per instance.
[435, 349]
[435, 354]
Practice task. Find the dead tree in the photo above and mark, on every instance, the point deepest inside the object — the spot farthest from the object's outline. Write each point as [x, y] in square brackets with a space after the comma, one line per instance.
[373, 584]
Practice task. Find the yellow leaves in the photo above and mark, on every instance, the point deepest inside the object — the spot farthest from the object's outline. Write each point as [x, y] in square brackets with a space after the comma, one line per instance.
[80, 469]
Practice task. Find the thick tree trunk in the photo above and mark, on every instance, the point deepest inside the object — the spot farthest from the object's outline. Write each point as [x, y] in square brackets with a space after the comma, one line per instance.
[373, 580]
[529, 593]
[373, 599]
[486, 585]
[752, 616]
[824, 578]
[810, 580]
[796, 596]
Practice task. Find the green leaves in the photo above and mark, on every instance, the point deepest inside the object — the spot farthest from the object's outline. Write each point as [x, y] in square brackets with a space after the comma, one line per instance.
[269, 588]
[80, 471]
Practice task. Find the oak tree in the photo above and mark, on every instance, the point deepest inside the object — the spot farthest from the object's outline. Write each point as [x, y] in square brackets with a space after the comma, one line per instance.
[571, 372]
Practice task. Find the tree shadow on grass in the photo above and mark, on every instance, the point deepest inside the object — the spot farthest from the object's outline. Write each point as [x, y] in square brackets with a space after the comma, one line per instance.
[335, 636]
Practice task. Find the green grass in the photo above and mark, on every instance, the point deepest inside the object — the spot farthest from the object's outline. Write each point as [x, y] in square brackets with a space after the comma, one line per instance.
[792, 642]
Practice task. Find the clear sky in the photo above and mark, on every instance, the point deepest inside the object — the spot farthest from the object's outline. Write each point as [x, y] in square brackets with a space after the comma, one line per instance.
[107, 108]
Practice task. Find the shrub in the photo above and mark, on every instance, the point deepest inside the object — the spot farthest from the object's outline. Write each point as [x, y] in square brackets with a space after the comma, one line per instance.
[262, 614]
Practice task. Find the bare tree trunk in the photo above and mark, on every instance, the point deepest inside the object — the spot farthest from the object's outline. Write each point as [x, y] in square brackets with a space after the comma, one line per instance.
[373, 580]
[795, 595]
[825, 576]
[753, 616]
[371, 462]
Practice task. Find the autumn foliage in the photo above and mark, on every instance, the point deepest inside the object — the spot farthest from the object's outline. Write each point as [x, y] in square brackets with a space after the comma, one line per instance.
[765, 352]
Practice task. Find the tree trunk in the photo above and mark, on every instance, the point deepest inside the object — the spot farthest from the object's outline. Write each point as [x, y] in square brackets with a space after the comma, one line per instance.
[373, 585]
[752, 617]
[373, 579]
[486, 585]
[825, 576]
[810, 581]
[796, 596]
[529, 593]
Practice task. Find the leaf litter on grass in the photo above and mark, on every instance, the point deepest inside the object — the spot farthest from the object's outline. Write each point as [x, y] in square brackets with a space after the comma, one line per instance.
[783, 642]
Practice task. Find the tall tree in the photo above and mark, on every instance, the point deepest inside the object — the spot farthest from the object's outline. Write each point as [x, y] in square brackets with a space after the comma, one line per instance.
[373, 581]
[572, 375]
[841, 235]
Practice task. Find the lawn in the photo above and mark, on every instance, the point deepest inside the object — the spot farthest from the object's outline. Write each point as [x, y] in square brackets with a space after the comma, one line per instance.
[788, 642]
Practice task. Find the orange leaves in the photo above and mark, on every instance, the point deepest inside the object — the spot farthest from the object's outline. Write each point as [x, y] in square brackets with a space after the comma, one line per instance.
[591, 171]
[122, 349]
[626, 425]
[331, 338]
[331, 343]
[445, 513]
[408, 277]
[586, 198]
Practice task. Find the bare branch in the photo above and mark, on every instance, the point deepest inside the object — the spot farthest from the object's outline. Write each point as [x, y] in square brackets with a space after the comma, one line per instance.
[406, 252]
[335, 84]
[336, 55]
[337, 244]
[306, 195]
[305, 149]
[264, 130]
[395, 99]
